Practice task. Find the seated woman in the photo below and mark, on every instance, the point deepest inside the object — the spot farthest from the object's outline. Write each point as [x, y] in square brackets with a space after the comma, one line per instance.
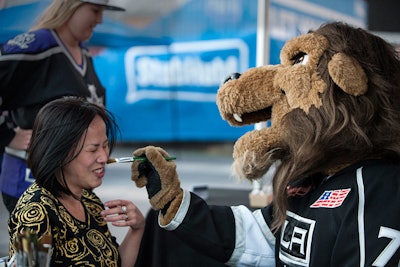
[71, 143]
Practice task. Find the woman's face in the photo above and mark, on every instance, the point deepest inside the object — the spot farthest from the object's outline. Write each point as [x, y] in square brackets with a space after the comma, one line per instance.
[85, 18]
[86, 171]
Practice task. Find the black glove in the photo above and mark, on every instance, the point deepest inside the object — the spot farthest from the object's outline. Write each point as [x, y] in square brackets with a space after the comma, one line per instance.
[153, 185]
[158, 175]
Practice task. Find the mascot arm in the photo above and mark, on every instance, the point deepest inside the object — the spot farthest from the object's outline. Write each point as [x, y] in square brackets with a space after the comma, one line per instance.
[161, 180]
[232, 235]
[228, 234]
[255, 152]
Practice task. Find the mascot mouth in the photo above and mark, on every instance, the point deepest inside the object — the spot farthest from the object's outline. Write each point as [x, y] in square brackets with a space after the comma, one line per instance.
[253, 117]
[241, 104]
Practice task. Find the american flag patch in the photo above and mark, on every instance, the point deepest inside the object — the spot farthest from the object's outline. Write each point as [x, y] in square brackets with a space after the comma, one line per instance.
[331, 199]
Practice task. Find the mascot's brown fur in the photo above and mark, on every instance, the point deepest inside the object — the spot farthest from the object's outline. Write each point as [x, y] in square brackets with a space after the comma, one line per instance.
[332, 102]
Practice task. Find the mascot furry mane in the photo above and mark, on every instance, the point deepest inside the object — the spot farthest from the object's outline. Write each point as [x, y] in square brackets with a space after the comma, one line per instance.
[333, 101]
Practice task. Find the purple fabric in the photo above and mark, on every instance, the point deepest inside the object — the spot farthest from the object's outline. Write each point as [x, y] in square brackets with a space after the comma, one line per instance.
[15, 177]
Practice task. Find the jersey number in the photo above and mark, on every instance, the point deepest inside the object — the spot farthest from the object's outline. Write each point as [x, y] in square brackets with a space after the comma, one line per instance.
[391, 248]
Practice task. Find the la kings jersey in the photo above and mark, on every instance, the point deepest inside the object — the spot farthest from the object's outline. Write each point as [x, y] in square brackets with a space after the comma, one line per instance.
[351, 219]
[35, 68]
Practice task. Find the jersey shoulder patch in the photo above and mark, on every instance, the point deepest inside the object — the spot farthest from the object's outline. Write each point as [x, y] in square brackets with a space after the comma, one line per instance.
[30, 42]
[331, 198]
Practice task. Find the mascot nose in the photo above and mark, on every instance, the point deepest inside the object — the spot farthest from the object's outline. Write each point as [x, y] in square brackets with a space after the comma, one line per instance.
[232, 76]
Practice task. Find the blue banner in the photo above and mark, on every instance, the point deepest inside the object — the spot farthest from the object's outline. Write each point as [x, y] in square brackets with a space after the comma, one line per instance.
[168, 93]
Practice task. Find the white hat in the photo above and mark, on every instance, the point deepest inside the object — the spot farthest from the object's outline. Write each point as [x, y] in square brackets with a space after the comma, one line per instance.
[105, 4]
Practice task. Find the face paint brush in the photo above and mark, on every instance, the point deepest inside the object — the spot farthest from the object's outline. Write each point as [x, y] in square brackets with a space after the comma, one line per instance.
[132, 159]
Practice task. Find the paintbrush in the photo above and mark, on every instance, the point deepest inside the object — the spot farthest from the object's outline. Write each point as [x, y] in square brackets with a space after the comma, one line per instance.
[132, 159]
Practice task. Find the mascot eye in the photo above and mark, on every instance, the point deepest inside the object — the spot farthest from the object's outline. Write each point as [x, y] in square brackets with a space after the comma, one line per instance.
[300, 58]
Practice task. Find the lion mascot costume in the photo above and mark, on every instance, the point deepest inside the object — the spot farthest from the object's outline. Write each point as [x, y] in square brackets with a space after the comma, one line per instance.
[334, 107]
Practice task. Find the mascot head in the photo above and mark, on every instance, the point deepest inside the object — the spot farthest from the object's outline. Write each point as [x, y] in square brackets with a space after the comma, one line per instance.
[333, 101]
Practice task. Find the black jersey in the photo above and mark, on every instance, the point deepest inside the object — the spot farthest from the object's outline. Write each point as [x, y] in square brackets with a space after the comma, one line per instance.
[35, 68]
[351, 219]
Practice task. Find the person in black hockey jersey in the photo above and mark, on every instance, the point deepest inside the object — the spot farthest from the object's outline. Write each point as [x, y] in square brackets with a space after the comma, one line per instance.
[48, 62]
[334, 108]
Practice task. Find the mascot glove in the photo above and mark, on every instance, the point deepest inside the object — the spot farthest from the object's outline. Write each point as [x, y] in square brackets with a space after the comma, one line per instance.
[158, 175]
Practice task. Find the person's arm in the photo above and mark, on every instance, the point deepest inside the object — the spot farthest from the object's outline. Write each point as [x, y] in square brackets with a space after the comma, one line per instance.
[230, 235]
[15, 138]
[6, 126]
[21, 139]
[6, 132]
[233, 235]
[122, 213]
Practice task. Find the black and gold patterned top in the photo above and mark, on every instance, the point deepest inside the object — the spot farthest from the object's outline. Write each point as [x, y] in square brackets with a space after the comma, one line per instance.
[75, 243]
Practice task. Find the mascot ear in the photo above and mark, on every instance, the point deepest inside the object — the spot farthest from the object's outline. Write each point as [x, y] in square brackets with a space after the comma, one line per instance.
[347, 73]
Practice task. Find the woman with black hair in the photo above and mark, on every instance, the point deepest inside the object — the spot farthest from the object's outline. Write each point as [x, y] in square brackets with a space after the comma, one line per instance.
[70, 146]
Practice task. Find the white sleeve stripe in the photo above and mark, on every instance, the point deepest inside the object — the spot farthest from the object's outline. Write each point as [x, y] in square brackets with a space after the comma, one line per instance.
[361, 204]
[33, 57]
[252, 247]
[239, 238]
[180, 215]
[264, 227]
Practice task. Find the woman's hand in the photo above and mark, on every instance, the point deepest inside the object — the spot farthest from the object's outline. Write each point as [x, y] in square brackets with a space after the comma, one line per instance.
[123, 213]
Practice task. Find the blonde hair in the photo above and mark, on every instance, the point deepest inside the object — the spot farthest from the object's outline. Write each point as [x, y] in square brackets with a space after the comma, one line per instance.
[56, 14]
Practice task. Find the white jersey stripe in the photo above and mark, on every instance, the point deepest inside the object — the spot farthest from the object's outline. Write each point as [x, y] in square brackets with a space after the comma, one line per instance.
[361, 204]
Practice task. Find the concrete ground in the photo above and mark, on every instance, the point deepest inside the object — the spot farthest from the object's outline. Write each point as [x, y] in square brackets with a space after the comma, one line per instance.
[197, 165]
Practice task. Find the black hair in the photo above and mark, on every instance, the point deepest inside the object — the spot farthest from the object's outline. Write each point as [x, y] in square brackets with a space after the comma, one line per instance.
[56, 133]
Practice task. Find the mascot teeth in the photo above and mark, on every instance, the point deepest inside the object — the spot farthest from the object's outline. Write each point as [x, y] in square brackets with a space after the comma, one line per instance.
[237, 117]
